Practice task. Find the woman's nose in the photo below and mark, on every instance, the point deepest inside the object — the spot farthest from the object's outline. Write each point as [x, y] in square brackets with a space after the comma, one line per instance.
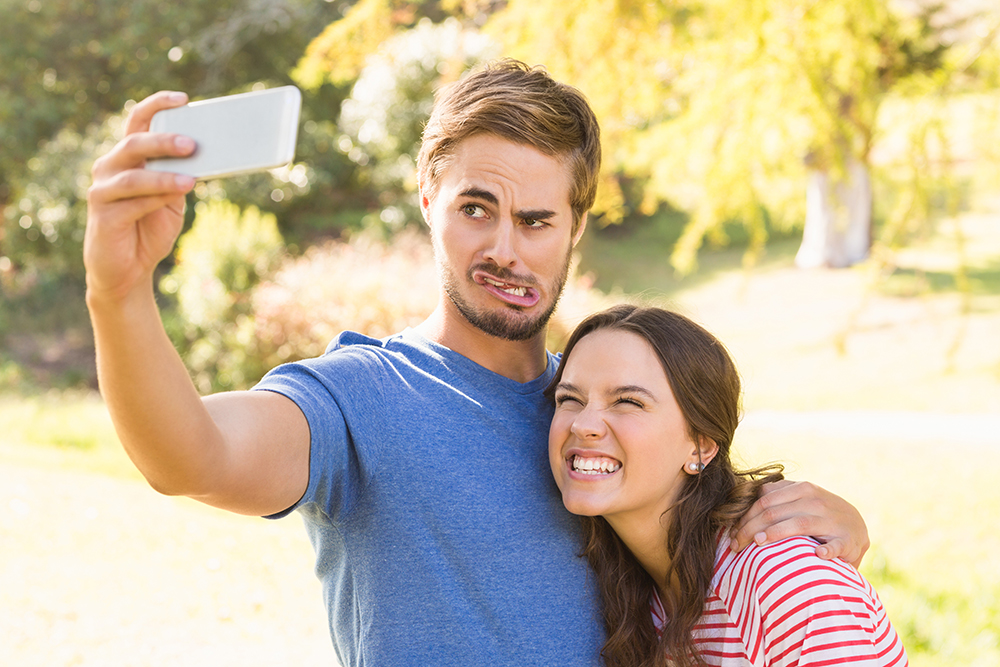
[589, 424]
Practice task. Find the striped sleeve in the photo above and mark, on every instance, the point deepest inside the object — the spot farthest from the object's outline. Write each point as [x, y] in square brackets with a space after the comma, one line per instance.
[793, 609]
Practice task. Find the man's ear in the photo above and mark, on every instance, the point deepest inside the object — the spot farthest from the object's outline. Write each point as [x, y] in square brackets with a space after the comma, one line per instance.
[579, 230]
[425, 202]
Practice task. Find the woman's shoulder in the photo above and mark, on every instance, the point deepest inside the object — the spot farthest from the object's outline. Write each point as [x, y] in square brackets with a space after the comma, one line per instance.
[795, 603]
[785, 568]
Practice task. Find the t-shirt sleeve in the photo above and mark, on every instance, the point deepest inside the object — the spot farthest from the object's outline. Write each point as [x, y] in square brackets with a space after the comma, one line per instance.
[329, 391]
[815, 612]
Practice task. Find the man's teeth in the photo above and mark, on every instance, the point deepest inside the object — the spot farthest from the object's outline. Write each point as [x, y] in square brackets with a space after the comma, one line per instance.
[516, 291]
[595, 465]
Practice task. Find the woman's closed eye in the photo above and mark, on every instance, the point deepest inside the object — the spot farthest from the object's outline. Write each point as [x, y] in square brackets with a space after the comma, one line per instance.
[562, 399]
[630, 401]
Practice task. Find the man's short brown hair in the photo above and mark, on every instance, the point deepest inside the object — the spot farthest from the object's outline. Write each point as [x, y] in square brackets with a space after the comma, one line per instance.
[521, 104]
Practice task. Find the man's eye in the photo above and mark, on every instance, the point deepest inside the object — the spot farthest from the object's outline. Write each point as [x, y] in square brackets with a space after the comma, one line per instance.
[473, 210]
[532, 223]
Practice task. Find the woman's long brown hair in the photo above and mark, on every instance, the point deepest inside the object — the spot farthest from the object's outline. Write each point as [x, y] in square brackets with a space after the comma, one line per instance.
[706, 385]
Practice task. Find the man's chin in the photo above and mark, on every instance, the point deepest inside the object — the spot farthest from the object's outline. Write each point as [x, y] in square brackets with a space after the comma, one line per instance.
[501, 325]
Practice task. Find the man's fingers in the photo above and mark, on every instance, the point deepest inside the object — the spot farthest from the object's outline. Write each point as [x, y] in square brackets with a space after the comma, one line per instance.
[133, 151]
[142, 113]
[139, 183]
[139, 207]
[772, 526]
[845, 550]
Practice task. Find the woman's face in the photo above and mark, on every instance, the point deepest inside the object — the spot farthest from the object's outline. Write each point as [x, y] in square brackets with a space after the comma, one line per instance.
[618, 444]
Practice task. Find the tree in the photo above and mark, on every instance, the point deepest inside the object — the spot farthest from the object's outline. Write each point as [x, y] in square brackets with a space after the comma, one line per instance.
[725, 108]
[69, 65]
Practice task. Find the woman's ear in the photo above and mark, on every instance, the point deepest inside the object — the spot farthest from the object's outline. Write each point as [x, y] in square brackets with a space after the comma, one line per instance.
[708, 449]
[701, 455]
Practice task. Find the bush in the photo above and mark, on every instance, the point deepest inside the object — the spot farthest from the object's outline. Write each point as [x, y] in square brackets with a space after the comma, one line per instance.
[363, 285]
[43, 229]
[219, 261]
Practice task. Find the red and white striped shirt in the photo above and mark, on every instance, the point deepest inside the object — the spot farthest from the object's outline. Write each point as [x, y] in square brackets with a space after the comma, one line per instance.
[780, 605]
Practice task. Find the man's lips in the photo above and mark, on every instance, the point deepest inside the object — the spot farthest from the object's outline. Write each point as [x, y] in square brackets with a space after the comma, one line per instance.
[514, 293]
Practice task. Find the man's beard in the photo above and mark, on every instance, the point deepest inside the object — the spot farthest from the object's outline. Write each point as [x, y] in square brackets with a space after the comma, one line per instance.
[502, 323]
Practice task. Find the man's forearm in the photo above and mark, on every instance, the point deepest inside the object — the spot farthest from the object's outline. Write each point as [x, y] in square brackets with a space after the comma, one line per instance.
[156, 410]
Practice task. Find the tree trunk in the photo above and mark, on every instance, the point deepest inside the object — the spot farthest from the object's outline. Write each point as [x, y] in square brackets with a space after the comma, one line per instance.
[838, 219]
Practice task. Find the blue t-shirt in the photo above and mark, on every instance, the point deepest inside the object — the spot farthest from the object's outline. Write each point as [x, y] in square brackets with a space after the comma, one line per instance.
[440, 536]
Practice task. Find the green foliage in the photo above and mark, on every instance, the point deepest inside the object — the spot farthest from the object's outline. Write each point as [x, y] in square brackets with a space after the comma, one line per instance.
[339, 53]
[937, 627]
[44, 228]
[70, 67]
[720, 107]
[220, 260]
[68, 64]
[363, 285]
[383, 118]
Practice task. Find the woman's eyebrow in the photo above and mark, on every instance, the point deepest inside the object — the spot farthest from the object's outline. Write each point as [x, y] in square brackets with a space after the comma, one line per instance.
[633, 389]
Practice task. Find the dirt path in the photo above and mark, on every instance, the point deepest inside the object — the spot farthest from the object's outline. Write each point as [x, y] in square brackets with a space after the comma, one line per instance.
[96, 570]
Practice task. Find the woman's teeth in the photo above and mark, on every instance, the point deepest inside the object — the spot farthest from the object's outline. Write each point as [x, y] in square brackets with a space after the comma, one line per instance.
[595, 465]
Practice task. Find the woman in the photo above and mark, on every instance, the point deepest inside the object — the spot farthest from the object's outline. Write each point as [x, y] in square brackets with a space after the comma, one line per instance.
[646, 406]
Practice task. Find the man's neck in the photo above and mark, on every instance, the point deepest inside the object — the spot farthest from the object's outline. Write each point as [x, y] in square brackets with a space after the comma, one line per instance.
[521, 361]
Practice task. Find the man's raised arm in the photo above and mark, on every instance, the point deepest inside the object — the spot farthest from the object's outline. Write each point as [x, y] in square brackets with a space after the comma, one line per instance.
[243, 451]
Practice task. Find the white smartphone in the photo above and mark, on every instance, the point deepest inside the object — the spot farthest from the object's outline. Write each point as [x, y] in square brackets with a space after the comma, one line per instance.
[235, 134]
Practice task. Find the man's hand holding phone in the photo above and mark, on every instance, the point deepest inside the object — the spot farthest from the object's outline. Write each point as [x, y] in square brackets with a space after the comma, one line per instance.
[134, 215]
[136, 202]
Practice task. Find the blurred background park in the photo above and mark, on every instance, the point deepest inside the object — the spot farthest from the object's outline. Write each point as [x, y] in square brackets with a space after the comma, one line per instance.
[817, 182]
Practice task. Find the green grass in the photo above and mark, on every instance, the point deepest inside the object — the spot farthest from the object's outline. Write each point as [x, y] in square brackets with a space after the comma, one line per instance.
[70, 430]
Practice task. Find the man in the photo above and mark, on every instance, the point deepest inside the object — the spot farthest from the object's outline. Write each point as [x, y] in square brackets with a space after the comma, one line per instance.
[418, 462]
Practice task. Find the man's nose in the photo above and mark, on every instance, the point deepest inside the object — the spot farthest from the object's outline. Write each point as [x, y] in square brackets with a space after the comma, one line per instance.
[500, 248]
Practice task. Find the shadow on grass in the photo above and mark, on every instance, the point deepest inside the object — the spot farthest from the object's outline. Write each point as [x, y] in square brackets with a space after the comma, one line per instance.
[635, 258]
[982, 281]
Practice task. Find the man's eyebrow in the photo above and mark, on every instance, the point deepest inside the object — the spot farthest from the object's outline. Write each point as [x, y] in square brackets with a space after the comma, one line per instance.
[541, 214]
[487, 196]
[479, 193]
